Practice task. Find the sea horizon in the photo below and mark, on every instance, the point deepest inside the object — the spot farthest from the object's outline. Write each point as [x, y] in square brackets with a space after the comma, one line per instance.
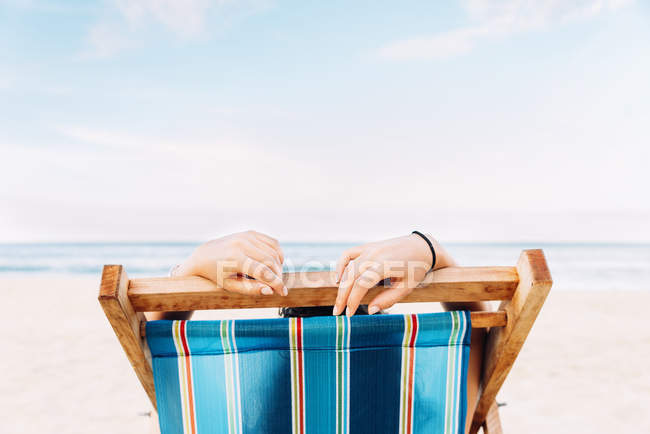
[574, 265]
[338, 242]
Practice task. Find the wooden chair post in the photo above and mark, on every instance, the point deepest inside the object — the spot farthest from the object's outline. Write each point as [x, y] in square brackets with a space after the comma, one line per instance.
[504, 343]
[492, 424]
[113, 297]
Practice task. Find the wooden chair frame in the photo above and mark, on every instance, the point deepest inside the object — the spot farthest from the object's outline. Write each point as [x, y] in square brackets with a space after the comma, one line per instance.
[521, 290]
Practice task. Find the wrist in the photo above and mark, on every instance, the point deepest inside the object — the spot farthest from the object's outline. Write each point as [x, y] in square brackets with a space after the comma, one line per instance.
[186, 268]
[425, 252]
[443, 258]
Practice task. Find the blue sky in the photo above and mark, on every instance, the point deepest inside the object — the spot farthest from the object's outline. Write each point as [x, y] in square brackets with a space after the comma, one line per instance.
[475, 119]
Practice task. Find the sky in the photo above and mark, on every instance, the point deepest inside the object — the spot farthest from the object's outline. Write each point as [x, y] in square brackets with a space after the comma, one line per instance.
[474, 120]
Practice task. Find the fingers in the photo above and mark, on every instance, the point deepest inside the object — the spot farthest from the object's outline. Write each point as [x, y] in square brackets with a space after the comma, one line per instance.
[277, 255]
[366, 280]
[348, 278]
[270, 242]
[344, 260]
[245, 286]
[264, 274]
[385, 299]
[264, 254]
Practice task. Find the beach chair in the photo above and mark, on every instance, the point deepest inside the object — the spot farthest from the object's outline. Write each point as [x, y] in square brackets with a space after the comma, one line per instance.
[444, 336]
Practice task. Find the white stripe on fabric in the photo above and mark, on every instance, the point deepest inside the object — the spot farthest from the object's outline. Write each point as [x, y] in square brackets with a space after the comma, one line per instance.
[236, 380]
[231, 398]
[458, 368]
[416, 320]
[450, 376]
[191, 403]
[180, 353]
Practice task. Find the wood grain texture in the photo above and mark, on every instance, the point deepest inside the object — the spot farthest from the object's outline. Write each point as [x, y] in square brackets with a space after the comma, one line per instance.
[481, 320]
[318, 289]
[504, 343]
[126, 324]
[492, 424]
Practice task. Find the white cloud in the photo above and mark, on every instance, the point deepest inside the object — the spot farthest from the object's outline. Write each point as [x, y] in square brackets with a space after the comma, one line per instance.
[494, 19]
[125, 20]
[185, 17]
[104, 40]
[197, 147]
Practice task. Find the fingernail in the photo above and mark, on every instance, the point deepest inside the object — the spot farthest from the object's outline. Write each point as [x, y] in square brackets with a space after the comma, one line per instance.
[373, 310]
[335, 311]
[267, 291]
[348, 311]
[285, 291]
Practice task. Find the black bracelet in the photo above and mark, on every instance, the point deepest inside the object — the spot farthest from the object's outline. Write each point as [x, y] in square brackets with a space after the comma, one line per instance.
[433, 252]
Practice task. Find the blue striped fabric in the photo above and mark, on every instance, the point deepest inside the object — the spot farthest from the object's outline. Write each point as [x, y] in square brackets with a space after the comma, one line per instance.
[365, 374]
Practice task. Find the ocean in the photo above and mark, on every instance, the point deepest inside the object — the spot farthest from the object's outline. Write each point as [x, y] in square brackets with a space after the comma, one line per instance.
[591, 267]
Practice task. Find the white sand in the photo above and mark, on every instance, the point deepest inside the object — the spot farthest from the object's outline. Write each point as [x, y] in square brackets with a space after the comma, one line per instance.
[583, 368]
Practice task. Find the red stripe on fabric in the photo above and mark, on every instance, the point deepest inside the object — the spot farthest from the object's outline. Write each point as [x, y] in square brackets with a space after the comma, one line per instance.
[409, 409]
[300, 379]
[188, 369]
[414, 330]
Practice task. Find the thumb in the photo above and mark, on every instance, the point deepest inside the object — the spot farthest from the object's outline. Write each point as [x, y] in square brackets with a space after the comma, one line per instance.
[389, 296]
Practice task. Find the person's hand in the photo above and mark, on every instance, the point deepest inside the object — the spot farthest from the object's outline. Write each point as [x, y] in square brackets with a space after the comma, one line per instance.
[405, 260]
[246, 262]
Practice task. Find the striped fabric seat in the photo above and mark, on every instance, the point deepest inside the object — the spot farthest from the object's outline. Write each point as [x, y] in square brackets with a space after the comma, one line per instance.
[338, 375]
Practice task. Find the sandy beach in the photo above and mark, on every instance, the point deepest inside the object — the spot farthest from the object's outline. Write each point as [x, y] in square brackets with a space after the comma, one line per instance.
[583, 368]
